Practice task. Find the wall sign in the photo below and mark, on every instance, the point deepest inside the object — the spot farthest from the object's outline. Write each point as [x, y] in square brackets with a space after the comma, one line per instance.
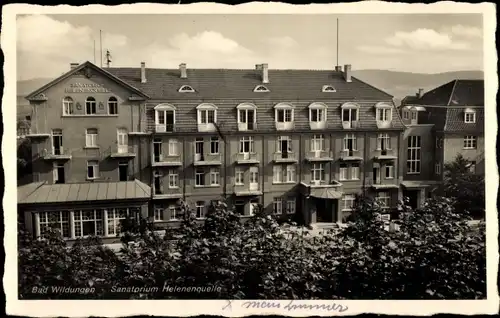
[86, 88]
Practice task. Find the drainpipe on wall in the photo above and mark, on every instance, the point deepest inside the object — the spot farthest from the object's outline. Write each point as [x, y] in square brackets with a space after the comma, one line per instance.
[365, 160]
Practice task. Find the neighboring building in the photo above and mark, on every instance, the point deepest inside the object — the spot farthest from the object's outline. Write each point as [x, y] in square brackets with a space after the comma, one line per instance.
[441, 123]
[301, 142]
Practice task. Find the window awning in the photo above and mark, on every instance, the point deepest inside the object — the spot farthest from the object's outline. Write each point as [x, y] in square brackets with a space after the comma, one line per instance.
[325, 193]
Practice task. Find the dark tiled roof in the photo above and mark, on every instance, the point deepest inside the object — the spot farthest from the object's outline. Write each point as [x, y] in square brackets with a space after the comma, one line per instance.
[410, 99]
[455, 121]
[455, 93]
[284, 85]
[79, 192]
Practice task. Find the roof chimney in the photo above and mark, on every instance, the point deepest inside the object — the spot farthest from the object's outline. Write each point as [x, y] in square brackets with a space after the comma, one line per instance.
[265, 73]
[258, 67]
[347, 72]
[143, 72]
[420, 92]
[73, 65]
[182, 68]
[338, 68]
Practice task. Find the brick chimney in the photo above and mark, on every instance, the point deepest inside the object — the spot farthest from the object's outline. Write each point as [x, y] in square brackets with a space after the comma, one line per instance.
[347, 73]
[338, 68]
[265, 73]
[182, 68]
[420, 92]
[73, 65]
[143, 72]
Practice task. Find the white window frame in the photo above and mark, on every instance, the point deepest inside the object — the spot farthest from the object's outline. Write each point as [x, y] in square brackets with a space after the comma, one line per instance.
[91, 135]
[112, 103]
[203, 111]
[163, 109]
[384, 199]
[289, 143]
[68, 106]
[348, 202]
[469, 116]
[387, 138]
[199, 173]
[278, 205]
[246, 142]
[186, 89]
[214, 176]
[173, 212]
[290, 207]
[343, 172]
[355, 171]
[95, 168]
[158, 214]
[214, 142]
[470, 142]
[261, 89]
[239, 176]
[61, 219]
[55, 170]
[322, 110]
[347, 137]
[406, 114]
[173, 179]
[288, 116]
[383, 112]
[158, 175]
[389, 170]
[318, 168]
[200, 209]
[284, 173]
[246, 108]
[328, 89]
[173, 147]
[413, 162]
[90, 101]
[79, 221]
[114, 219]
[317, 143]
[349, 107]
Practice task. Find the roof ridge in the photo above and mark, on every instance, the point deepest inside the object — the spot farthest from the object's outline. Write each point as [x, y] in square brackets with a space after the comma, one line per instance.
[140, 184]
[452, 92]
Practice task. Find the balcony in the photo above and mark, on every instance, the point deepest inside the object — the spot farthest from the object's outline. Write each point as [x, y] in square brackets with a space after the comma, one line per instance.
[247, 126]
[319, 156]
[57, 154]
[251, 189]
[247, 158]
[380, 184]
[384, 124]
[165, 128]
[387, 154]
[285, 125]
[351, 155]
[315, 125]
[121, 152]
[207, 127]
[285, 157]
[166, 161]
[162, 194]
[31, 133]
[207, 160]
[350, 124]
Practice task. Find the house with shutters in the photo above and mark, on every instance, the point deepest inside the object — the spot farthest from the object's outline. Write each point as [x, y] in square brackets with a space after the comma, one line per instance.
[441, 123]
[108, 142]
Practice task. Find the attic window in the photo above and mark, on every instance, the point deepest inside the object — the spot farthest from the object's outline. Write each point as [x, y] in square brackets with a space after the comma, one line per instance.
[261, 88]
[186, 89]
[469, 116]
[328, 89]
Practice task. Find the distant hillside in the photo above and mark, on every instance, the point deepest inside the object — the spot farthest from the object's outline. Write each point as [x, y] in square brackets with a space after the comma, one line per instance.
[398, 84]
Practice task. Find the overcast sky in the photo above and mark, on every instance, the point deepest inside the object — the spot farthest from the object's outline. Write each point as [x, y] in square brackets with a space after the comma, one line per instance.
[424, 43]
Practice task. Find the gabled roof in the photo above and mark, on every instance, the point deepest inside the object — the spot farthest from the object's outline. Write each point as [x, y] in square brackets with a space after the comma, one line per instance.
[459, 92]
[39, 192]
[239, 84]
[79, 69]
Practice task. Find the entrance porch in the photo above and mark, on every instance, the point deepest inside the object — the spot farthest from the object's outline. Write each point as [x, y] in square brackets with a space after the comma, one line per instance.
[320, 203]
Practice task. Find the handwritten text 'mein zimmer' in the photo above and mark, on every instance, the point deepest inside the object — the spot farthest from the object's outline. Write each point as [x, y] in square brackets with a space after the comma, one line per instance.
[291, 306]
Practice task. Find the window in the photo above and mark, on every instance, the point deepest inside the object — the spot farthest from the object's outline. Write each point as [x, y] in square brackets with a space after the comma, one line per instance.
[317, 143]
[92, 169]
[68, 106]
[115, 217]
[207, 114]
[173, 212]
[164, 118]
[383, 142]
[437, 168]
[186, 89]
[173, 147]
[343, 171]
[470, 116]
[157, 151]
[354, 171]
[58, 220]
[246, 145]
[328, 89]
[350, 112]
[238, 176]
[90, 106]
[158, 182]
[112, 106]
[200, 209]
[414, 115]
[158, 214]
[290, 205]
[318, 172]
[88, 222]
[384, 114]
[470, 142]
[406, 114]
[214, 145]
[389, 171]
[414, 155]
[346, 168]
[439, 142]
[284, 173]
[247, 117]
[199, 176]
[284, 115]
[261, 89]
[214, 176]
[277, 205]
[350, 142]
[173, 178]
[91, 138]
[384, 199]
[317, 112]
[348, 202]
[58, 172]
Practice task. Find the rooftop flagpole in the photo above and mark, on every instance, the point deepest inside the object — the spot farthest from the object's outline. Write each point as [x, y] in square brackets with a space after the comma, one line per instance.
[337, 41]
[100, 45]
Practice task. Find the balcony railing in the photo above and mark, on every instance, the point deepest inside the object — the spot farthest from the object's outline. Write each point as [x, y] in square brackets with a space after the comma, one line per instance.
[169, 193]
[384, 124]
[314, 125]
[125, 151]
[207, 159]
[164, 128]
[350, 155]
[285, 125]
[381, 184]
[162, 160]
[56, 154]
[247, 126]
[350, 124]
[386, 154]
[208, 127]
[34, 133]
[246, 157]
[285, 157]
[320, 155]
[247, 189]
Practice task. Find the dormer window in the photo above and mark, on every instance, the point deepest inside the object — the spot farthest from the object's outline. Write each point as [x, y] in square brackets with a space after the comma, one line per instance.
[383, 113]
[284, 116]
[317, 115]
[247, 117]
[165, 118]
[207, 117]
[261, 89]
[350, 112]
[406, 114]
[186, 89]
[469, 116]
[328, 89]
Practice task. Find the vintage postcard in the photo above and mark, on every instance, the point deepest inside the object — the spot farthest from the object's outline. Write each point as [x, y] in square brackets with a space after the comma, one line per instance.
[263, 158]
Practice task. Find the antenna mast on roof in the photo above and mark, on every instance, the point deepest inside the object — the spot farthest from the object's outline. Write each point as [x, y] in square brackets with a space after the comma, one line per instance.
[337, 41]
[100, 44]
[94, 51]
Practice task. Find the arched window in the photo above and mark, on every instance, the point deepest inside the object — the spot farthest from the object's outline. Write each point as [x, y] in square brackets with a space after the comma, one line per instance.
[165, 118]
[68, 106]
[112, 106]
[90, 106]
[247, 116]
[383, 113]
[350, 115]
[186, 89]
[207, 117]
[284, 116]
[328, 89]
[261, 89]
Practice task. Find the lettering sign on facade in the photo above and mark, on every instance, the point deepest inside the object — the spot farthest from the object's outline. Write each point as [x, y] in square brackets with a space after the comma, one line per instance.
[86, 88]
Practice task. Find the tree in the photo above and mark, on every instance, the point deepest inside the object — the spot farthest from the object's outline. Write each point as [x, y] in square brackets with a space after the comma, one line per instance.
[23, 158]
[465, 186]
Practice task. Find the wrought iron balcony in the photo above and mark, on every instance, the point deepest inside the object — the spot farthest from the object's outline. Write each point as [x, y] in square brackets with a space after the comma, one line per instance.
[118, 151]
[56, 154]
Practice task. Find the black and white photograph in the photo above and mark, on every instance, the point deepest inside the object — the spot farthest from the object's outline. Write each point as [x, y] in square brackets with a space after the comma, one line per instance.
[292, 163]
